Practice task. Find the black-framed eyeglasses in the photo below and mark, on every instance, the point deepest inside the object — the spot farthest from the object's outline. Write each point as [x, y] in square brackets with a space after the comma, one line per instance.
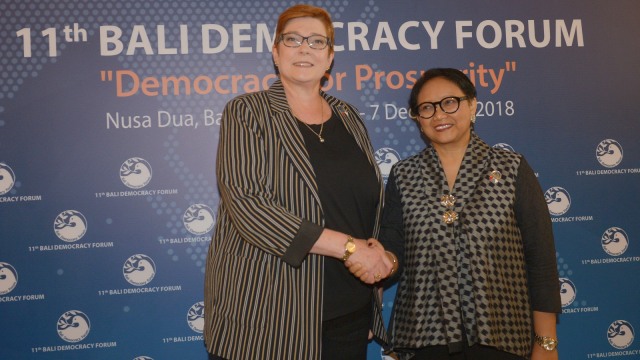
[293, 40]
[427, 109]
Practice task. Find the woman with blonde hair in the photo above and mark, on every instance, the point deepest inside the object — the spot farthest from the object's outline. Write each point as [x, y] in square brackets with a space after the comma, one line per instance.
[300, 196]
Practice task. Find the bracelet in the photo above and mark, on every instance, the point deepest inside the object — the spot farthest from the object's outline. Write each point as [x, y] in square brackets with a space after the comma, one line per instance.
[394, 260]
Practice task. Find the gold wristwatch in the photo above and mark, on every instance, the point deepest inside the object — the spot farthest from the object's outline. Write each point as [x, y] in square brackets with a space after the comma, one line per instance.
[546, 342]
[349, 248]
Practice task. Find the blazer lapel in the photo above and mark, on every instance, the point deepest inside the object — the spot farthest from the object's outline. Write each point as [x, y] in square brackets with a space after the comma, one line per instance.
[286, 128]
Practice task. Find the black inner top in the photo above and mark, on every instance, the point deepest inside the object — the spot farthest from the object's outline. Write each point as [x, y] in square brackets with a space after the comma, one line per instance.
[349, 190]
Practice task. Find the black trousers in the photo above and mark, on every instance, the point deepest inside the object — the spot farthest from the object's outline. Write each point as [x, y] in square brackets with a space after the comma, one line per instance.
[343, 338]
[347, 337]
[475, 352]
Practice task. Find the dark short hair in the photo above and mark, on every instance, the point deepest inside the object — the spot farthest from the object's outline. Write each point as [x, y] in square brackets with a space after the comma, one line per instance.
[454, 75]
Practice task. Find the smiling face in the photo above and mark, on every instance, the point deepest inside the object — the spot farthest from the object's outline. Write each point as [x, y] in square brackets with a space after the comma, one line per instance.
[446, 131]
[302, 65]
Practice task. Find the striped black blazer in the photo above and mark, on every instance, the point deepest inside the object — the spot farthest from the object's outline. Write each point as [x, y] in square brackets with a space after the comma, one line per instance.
[263, 290]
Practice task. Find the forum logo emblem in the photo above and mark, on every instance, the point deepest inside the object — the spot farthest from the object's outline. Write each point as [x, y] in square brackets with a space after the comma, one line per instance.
[503, 146]
[139, 270]
[386, 158]
[615, 241]
[143, 357]
[70, 225]
[73, 326]
[7, 178]
[198, 219]
[135, 173]
[558, 200]
[195, 317]
[567, 292]
[8, 278]
[609, 153]
[620, 334]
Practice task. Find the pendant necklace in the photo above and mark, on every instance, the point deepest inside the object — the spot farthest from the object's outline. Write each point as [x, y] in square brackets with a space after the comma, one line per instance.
[318, 134]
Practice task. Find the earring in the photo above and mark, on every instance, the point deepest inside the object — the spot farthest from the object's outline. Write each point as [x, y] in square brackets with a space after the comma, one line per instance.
[473, 118]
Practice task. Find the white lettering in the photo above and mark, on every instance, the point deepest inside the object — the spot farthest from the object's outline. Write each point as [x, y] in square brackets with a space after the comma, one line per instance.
[206, 39]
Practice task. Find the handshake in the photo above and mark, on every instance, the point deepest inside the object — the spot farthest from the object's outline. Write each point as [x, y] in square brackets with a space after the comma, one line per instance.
[368, 260]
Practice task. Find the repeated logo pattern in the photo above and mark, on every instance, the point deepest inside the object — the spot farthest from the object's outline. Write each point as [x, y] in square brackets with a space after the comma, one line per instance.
[139, 270]
[7, 178]
[609, 153]
[399, 138]
[615, 241]
[568, 292]
[558, 200]
[70, 225]
[198, 219]
[8, 278]
[135, 173]
[620, 334]
[73, 326]
[195, 317]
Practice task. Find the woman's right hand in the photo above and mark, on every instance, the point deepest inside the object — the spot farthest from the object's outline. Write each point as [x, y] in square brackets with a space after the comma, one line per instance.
[369, 262]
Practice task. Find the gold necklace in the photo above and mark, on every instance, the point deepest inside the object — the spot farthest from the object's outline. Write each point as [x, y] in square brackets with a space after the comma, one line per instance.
[318, 134]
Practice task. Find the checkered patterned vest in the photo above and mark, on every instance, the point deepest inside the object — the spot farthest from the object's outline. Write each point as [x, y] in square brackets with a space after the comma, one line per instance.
[469, 273]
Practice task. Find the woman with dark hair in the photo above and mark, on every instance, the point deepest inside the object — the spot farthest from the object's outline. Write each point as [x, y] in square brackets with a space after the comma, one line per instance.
[470, 226]
[300, 194]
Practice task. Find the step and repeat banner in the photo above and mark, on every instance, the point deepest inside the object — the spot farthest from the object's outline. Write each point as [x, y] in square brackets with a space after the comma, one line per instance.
[109, 120]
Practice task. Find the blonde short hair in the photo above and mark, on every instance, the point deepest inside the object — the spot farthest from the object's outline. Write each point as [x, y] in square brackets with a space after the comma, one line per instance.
[304, 10]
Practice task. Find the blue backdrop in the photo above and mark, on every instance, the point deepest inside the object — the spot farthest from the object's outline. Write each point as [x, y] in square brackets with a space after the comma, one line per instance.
[109, 118]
